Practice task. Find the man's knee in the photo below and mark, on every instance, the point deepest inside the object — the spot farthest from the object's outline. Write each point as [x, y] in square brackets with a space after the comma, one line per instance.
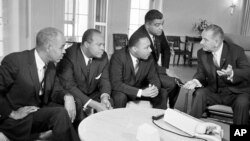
[242, 102]
[120, 99]
[199, 93]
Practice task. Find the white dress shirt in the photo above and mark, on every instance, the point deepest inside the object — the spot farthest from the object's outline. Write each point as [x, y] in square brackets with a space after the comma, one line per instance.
[40, 65]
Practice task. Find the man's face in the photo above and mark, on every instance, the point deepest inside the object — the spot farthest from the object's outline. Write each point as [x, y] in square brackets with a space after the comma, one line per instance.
[142, 48]
[209, 42]
[96, 46]
[155, 27]
[56, 49]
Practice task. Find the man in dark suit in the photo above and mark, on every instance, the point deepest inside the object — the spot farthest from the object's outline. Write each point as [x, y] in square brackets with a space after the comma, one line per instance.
[84, 73]
[28, 84]
[153, 28]
[223, 73]
[133, 74]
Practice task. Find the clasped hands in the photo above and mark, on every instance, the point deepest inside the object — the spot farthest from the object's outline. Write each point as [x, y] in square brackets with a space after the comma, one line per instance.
[150, 91]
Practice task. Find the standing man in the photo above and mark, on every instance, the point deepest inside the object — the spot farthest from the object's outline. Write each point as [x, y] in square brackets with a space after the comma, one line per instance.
[28, 84]
[153, 28]
[133, 74]
[223, 73]
[84, 72]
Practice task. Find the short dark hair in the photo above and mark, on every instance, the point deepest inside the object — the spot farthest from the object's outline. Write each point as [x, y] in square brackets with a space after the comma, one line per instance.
[134, 39]
[152, 15]
[46, 36]
[88, 34]
[217, 30]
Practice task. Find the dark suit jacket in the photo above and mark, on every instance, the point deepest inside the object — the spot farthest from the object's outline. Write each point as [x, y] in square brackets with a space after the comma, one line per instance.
[231, 54]
[19, 83]
[72, 72]
[164, 49]
[122, 75]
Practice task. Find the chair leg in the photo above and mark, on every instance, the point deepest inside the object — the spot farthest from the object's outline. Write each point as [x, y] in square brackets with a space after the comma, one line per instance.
[173, 59]
[178, 59]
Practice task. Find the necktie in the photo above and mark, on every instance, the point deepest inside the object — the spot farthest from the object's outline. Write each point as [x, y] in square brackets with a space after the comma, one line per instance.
[156, 44]
[42, 82]
[88, 66]
[215, 60]
[136, 66]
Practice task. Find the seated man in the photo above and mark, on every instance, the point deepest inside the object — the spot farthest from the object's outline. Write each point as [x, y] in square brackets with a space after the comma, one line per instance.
[84, 73]
[223, 73]
[133, 74]
[153, 29]
[28, 84]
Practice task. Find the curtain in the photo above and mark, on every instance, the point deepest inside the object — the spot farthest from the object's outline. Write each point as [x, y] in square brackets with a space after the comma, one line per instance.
[245, 26]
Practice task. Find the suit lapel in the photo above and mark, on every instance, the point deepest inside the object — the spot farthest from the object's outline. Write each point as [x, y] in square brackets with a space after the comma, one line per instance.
[223, 57]
[130, 63]
[151, 42]
[93, 68]
[81, 61]
[33, 72]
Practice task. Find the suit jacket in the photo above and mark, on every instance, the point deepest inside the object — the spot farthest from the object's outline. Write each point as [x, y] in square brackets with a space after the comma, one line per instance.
[19, 83]
[72, 71]
[122, 74]
[231, 54]
[163, 48]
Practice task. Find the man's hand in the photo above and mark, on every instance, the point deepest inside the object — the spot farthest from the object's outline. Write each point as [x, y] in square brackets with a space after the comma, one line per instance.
[105, 100]
[69, 104]
[226, 72]
[23, 112]
[150, 91]
[97, 106]
[192, 84]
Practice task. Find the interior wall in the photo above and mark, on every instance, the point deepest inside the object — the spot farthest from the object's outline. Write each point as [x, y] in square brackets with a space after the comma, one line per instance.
[180, 15]
[118, 20]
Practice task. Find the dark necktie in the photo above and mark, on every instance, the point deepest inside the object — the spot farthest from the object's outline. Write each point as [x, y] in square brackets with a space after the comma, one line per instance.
[88, 67]
[156, 46]
[136, 66]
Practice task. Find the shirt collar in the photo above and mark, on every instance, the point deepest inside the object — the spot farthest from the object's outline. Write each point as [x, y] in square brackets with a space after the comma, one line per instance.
[134, 59]
[39, 62]
[85, 57]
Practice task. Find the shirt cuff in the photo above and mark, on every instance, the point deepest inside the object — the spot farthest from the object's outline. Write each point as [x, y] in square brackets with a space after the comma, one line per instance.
[86, 104]
[230, 78]
[139, 93]
[104, 94]
[198, 83]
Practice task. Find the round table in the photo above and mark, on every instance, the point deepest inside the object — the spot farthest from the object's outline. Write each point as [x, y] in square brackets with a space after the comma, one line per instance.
[121, 125]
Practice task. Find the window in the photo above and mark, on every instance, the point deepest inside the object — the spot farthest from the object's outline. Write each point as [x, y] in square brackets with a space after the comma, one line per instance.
[1, 28]
[101, 11]
[138, 10]
[76, 19]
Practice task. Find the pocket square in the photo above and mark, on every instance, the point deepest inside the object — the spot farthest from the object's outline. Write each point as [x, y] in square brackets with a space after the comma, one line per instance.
[98, 77]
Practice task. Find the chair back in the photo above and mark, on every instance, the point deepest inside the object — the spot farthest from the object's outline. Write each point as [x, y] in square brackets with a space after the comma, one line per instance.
[120, 41]
[175, 40]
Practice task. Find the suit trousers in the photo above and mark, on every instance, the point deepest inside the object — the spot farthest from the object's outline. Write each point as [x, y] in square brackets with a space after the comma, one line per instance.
[172, 88]
[204, 97]
[159, 102]
[47, 118]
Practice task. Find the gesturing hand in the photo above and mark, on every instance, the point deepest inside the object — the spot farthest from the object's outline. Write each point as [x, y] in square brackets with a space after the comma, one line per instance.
[23, 112]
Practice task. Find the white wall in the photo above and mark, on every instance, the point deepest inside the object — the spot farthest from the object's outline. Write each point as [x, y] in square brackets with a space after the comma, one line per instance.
[180, 15]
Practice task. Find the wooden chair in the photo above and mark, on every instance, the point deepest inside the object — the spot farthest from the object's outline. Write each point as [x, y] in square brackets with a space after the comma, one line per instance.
[189, 45]
[175, 43]
[120, 41]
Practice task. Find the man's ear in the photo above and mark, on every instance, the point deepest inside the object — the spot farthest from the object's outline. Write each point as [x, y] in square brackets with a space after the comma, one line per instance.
[134, 48]
[86, 44]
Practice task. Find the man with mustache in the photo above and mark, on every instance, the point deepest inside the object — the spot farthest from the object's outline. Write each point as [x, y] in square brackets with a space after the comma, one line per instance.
[84, 72]
[133, 74]
[153, 29]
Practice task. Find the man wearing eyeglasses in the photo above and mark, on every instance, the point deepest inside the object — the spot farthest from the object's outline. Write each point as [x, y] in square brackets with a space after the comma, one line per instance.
[153, 28]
